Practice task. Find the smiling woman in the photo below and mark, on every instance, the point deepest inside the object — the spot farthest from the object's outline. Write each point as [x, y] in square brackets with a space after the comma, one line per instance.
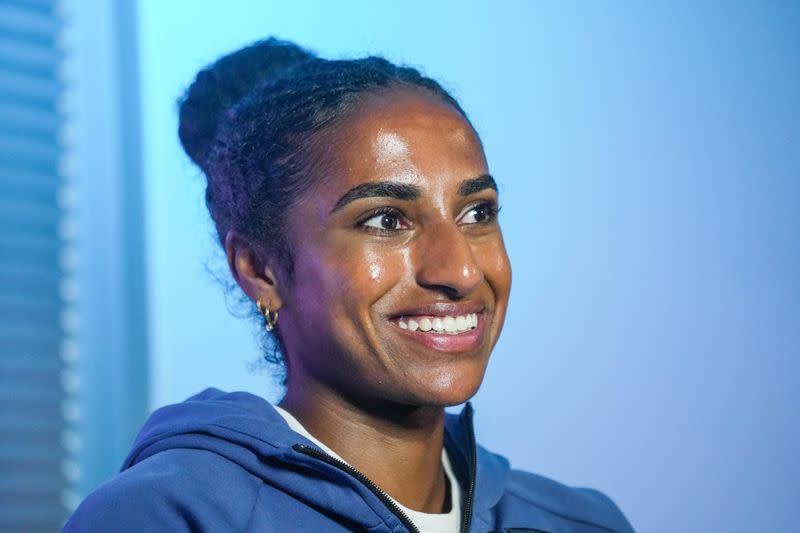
[357, 212]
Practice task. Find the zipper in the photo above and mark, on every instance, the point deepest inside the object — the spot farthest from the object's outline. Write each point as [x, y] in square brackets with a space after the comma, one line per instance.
[376, 490]
[466, 517]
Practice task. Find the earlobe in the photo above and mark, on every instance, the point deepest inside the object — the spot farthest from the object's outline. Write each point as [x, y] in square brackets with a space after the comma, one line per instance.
[250, 270]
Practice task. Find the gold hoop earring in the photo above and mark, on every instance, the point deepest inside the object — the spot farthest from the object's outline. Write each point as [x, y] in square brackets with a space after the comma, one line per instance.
[270, 316]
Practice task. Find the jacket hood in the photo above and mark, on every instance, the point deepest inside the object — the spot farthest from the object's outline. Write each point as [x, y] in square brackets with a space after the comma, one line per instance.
[248, 431]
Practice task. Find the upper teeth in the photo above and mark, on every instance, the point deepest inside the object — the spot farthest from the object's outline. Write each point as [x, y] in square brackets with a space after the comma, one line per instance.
[447, 324]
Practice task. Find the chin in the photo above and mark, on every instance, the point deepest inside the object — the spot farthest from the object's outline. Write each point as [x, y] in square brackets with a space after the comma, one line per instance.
[448, 388]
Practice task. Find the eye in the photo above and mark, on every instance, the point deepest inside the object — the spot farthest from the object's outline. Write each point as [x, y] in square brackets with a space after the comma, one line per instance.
[387, 220]
[483, 213]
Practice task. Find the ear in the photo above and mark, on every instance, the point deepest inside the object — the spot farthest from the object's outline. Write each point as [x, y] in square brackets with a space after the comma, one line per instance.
[251, 270]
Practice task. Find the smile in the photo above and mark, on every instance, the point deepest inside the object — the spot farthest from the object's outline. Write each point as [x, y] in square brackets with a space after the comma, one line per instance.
[440, 324]
[443, 333]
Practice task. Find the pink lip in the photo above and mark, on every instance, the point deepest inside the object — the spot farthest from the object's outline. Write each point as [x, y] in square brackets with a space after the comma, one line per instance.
[447, 342]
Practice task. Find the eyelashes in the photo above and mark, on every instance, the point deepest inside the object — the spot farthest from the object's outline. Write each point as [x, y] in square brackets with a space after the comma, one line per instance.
[390, 220]
[488, 210]
[380, 218]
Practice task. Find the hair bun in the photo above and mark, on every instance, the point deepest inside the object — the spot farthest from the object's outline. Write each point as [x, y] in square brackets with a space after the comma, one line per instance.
[225, 82]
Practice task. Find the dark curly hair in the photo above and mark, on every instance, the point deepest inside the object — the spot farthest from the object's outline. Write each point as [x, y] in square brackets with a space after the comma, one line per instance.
[252, 121]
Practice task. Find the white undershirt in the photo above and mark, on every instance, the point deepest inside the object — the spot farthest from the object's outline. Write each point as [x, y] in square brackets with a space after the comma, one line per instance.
[426, 522]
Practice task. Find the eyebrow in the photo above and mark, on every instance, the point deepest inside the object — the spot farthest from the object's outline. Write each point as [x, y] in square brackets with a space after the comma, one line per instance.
[473, 185]
[405, 191]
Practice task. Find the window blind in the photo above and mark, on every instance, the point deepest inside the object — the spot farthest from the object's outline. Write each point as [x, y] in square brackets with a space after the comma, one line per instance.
[36, 439]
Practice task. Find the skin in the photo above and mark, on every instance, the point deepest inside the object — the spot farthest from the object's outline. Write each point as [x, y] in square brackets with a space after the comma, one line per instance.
[353, 376]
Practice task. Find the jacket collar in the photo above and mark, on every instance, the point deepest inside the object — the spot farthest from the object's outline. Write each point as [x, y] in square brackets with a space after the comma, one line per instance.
[249, 431]
[482, 474]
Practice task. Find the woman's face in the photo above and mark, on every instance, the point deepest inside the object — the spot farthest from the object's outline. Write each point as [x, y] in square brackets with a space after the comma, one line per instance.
[400, 237]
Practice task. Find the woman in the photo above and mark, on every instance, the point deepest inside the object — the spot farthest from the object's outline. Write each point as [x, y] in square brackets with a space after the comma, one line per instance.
[357, 212]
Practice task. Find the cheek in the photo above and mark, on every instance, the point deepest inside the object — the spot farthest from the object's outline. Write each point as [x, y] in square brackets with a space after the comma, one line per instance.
[376, 267]
[384, 267]
[367, 273]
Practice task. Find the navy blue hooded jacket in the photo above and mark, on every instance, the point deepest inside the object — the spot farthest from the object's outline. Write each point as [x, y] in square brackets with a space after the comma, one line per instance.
[229, 462]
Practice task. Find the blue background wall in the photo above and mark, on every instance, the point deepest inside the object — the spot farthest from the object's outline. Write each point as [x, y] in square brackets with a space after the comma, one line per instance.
[649, 162]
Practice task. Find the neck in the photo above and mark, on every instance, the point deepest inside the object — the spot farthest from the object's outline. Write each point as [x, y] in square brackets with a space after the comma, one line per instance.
[397, 447]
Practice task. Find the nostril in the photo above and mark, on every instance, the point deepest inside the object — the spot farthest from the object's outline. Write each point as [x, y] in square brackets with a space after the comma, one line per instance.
[451, 292]
[456, 289]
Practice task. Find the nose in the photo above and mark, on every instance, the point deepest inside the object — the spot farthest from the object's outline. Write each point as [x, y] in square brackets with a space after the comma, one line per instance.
[446, 262]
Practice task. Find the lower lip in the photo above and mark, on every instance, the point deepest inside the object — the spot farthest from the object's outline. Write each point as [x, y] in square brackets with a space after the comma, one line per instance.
[448, 342]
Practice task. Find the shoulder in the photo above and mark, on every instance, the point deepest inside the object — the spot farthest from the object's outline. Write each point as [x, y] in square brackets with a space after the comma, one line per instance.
[175, 490]
[588, 507]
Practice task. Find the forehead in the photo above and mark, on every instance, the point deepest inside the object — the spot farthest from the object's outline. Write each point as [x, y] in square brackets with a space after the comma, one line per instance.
[407, 136]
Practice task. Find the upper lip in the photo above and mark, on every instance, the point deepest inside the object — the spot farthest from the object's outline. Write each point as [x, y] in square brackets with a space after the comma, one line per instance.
[443, 309]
